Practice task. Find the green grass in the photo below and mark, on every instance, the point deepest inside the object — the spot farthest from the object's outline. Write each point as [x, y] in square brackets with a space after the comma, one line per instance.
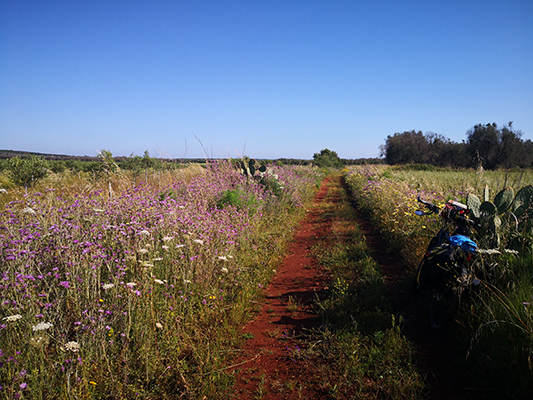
[494, 330]
[361, 346]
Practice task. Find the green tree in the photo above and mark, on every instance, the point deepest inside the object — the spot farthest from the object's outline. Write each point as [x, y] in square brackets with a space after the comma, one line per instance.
[327, 159]
[497, 147]
[27, 171]
[408, 147]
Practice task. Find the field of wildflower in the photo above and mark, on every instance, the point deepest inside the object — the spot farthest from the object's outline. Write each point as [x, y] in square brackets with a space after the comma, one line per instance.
[496, 329]
[120, 289]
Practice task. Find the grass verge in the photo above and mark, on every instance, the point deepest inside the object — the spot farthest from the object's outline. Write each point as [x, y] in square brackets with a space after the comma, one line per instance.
[360, 348]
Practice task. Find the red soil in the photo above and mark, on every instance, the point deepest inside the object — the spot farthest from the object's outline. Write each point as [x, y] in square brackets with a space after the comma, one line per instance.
[268, 370]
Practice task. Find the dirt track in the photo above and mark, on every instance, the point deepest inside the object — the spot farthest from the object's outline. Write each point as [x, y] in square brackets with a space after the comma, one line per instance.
[268, 368]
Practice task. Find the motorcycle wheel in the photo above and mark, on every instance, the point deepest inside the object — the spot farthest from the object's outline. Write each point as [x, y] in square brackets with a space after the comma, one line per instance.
[443, 305]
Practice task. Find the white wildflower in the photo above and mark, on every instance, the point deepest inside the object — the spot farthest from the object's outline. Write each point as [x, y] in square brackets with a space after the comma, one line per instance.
[158, 325]
[12, 318]
[98, 210]
[225, 270]
[223, 258]
[143, 251]
[3, 190]
[186, 281]
[167, 238]
[147, 264]
[199, 241]
[72, 346]
[29, 210]
[165, 247]
[42, 326]
[509, 251]
[489, 251]
[108, 286]
[144, 232]
[131, 285]
[179, 246]
[158, 259]
[181, 207]
[159, 281]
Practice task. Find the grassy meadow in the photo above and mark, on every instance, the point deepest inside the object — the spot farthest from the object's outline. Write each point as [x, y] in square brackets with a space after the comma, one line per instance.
[495, 329]
[123, 287]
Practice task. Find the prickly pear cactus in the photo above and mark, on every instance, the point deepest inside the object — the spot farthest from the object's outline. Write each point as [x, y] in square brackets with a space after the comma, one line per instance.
[504, 200]
[504, 217]
[523, 201]
[473, 203]
[249, 167]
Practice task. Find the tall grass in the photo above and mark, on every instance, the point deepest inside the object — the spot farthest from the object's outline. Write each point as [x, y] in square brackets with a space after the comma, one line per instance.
[364, 353]
[115, 290]
[496, 329]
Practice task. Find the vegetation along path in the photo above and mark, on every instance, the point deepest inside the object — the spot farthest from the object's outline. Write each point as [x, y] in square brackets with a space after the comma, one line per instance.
[333, 321]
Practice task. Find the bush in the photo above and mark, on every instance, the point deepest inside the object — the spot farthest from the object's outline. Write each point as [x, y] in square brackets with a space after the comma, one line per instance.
[27, 171]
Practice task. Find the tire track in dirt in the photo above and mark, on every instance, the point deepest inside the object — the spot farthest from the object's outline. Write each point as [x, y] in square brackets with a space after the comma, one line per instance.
[435, 360]
[267, 370]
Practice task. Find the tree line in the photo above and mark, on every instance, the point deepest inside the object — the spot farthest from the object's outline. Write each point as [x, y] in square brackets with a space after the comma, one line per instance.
[487, 145]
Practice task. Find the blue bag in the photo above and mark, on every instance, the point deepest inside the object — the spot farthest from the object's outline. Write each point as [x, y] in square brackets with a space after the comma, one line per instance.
[464, 242]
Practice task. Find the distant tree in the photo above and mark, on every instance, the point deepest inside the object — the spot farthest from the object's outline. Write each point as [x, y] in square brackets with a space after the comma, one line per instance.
[108, 162]
[327, 159]
[408, 147]
[27, 171]
[496, 147]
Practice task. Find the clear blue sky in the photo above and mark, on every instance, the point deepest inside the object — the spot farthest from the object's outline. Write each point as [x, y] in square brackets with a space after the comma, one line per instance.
[276, 78]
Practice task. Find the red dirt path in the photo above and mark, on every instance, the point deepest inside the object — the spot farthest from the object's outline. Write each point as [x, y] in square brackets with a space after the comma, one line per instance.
[268, 370]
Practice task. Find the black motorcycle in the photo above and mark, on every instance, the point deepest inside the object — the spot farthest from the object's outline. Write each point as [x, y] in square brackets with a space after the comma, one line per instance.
[449, 266]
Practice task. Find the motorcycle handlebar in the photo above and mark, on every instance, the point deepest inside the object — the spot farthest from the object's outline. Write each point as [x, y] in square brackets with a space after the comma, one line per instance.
[431, 206]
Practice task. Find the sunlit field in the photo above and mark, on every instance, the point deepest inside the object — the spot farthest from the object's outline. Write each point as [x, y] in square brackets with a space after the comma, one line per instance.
[496, 329]
[132, 287]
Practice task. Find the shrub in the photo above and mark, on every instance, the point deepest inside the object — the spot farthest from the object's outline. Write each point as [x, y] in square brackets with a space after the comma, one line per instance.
[27, 171]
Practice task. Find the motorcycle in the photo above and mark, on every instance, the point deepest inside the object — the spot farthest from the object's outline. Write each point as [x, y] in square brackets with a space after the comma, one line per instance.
[449, 267]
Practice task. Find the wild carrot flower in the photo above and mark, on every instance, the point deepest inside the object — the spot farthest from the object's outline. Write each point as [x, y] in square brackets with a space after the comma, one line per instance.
[42, 326]
[12, 318]
[108, 286]
[72, 346]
